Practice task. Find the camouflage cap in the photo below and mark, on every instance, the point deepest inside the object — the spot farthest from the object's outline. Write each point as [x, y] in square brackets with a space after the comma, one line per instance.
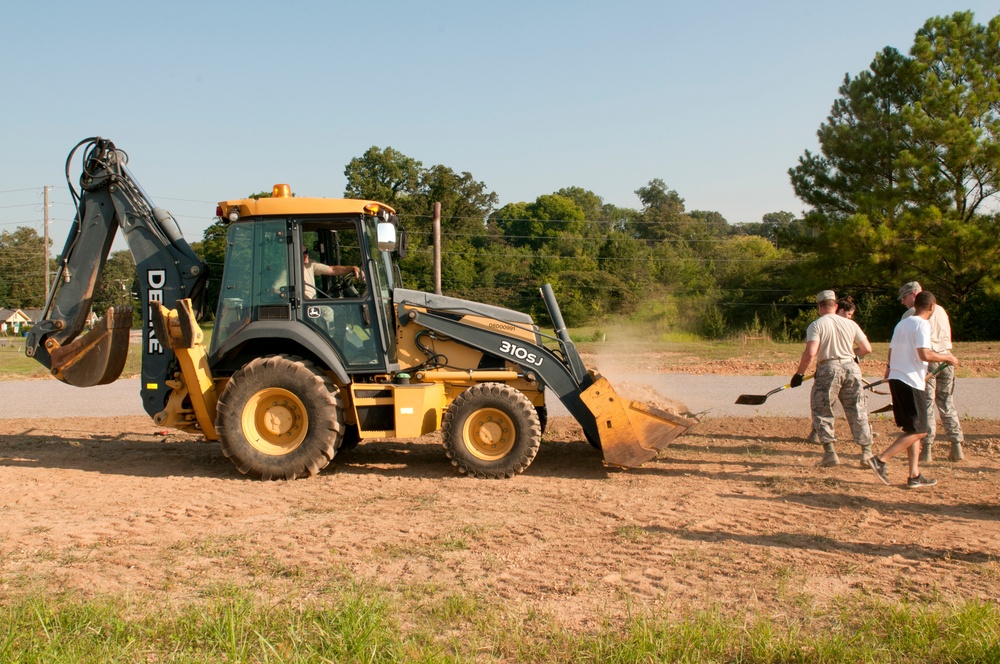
[825, 295]
[908, 288]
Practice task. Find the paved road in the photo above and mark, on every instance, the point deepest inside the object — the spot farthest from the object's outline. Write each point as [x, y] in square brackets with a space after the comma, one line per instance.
[47, 397]
[711, 395]
[715, 396]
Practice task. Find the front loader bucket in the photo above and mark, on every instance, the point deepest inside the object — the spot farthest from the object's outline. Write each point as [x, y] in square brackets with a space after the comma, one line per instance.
[631, 432]
[98, 357]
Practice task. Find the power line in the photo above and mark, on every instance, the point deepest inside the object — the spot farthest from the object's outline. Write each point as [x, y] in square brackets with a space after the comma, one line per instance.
[13, 191]
[8, 207]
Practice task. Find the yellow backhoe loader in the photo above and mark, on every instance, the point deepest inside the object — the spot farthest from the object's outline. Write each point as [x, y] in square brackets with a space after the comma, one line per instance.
[317, 346]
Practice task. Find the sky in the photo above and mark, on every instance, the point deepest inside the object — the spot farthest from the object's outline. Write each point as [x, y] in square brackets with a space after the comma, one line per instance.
[215, 100]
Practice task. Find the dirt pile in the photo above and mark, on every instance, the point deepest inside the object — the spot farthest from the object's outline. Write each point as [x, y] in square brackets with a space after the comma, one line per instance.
[648, 395]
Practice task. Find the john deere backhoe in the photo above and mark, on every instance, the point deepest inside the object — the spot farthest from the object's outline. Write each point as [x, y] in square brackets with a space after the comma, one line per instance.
[304, 364]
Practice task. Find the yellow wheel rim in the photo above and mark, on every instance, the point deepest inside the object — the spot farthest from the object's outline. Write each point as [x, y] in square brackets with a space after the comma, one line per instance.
[275, 421]
[489, 434]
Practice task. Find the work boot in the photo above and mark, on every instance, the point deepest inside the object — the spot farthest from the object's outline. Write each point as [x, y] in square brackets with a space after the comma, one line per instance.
[866, 453]
[813, 438]
[956, 452]
[830, 457]
[925, 453]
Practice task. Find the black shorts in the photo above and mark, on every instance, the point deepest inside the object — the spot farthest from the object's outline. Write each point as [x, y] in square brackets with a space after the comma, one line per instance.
[908, 407]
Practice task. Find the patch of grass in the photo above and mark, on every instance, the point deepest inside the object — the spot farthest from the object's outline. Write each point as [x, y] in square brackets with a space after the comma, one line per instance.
[395, 551]
[364, 623]
[679, 338]
[632, 533]
[210, 546]
[452, 542]
[268, 565]
[15, 365]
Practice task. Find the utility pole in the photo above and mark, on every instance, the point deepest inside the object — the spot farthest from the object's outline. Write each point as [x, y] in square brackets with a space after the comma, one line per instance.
[437, 248]
[45, 241]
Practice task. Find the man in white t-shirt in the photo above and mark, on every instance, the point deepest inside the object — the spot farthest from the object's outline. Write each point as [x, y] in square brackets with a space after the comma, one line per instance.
[941, 383]
[834, 342]
[311, 268]
[909, 353]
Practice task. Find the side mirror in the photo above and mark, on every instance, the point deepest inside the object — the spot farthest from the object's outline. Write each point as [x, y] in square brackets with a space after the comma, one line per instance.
[386, 236]
[401, 246]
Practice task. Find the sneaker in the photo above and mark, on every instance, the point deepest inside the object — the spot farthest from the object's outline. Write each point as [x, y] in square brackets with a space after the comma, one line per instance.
[919, 481]
[956, 452]
[925, 453]
[829, 460]
[879, 468]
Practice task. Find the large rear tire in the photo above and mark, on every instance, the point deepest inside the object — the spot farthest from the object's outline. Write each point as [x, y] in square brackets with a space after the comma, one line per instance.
[280, 417]
[491, 431]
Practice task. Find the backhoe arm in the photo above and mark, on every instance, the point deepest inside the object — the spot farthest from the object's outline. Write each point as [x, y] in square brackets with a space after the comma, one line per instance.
[167, 267]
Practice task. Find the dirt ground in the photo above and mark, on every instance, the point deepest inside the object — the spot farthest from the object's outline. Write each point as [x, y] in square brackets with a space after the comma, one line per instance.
[735, 515]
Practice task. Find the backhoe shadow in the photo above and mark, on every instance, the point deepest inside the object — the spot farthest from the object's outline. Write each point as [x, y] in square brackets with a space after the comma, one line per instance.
[128, 453]
[174, 454]
[425, 457]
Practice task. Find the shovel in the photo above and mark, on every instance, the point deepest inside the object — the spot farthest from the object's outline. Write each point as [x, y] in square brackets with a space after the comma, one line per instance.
[758, 399]
[886, 409]
[872, 386]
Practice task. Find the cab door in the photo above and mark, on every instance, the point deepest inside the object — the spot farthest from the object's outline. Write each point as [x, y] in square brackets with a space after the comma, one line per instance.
[339, 307]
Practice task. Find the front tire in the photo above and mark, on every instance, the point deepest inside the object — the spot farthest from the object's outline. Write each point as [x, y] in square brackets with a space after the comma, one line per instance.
[491, 431]
[280, 417]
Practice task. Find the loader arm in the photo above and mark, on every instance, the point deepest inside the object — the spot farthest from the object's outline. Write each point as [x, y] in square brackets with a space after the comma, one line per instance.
[168, 270]
[549, 367]
[629, 433]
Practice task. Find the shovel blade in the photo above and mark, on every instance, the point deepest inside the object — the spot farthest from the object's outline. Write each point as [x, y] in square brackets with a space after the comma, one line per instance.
[751, 399]
[632, 432]
[98, 357]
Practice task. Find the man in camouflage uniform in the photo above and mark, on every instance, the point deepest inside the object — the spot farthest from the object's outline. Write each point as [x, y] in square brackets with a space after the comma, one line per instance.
[940, 389]
[834, 342]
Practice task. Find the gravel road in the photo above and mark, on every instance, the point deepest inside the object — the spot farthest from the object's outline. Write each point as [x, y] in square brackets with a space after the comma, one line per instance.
[707, 395]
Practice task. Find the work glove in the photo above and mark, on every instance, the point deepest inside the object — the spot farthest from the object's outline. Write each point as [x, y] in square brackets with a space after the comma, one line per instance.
[797, 380]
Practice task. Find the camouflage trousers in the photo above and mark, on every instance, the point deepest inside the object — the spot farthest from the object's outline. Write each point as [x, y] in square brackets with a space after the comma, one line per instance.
[940, 392]
[840, 380]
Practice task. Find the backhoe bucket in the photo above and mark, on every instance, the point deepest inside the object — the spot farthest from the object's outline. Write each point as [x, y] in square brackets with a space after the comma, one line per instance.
[98, 357]
[631, 432]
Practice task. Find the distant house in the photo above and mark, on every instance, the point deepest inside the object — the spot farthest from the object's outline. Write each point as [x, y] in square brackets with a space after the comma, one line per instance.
[34, 315]
[11, 321]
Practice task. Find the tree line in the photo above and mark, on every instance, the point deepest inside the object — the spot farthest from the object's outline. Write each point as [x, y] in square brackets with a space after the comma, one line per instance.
[903, 187]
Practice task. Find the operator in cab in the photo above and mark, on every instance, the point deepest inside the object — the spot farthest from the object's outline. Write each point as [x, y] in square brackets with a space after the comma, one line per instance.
[311, 268]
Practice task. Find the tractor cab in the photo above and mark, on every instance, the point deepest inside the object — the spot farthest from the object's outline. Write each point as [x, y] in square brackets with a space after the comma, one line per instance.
[324, 265]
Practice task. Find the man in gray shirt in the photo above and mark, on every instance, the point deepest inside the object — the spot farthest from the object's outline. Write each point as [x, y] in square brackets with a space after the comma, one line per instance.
[834, 342]
[940, 388]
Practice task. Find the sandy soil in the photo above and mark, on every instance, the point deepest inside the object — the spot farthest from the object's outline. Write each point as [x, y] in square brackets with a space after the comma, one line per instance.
[736, 514]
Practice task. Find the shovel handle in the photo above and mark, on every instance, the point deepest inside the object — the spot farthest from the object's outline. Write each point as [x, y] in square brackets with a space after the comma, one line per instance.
[804, 379]
[871, 386]
[886, 380]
